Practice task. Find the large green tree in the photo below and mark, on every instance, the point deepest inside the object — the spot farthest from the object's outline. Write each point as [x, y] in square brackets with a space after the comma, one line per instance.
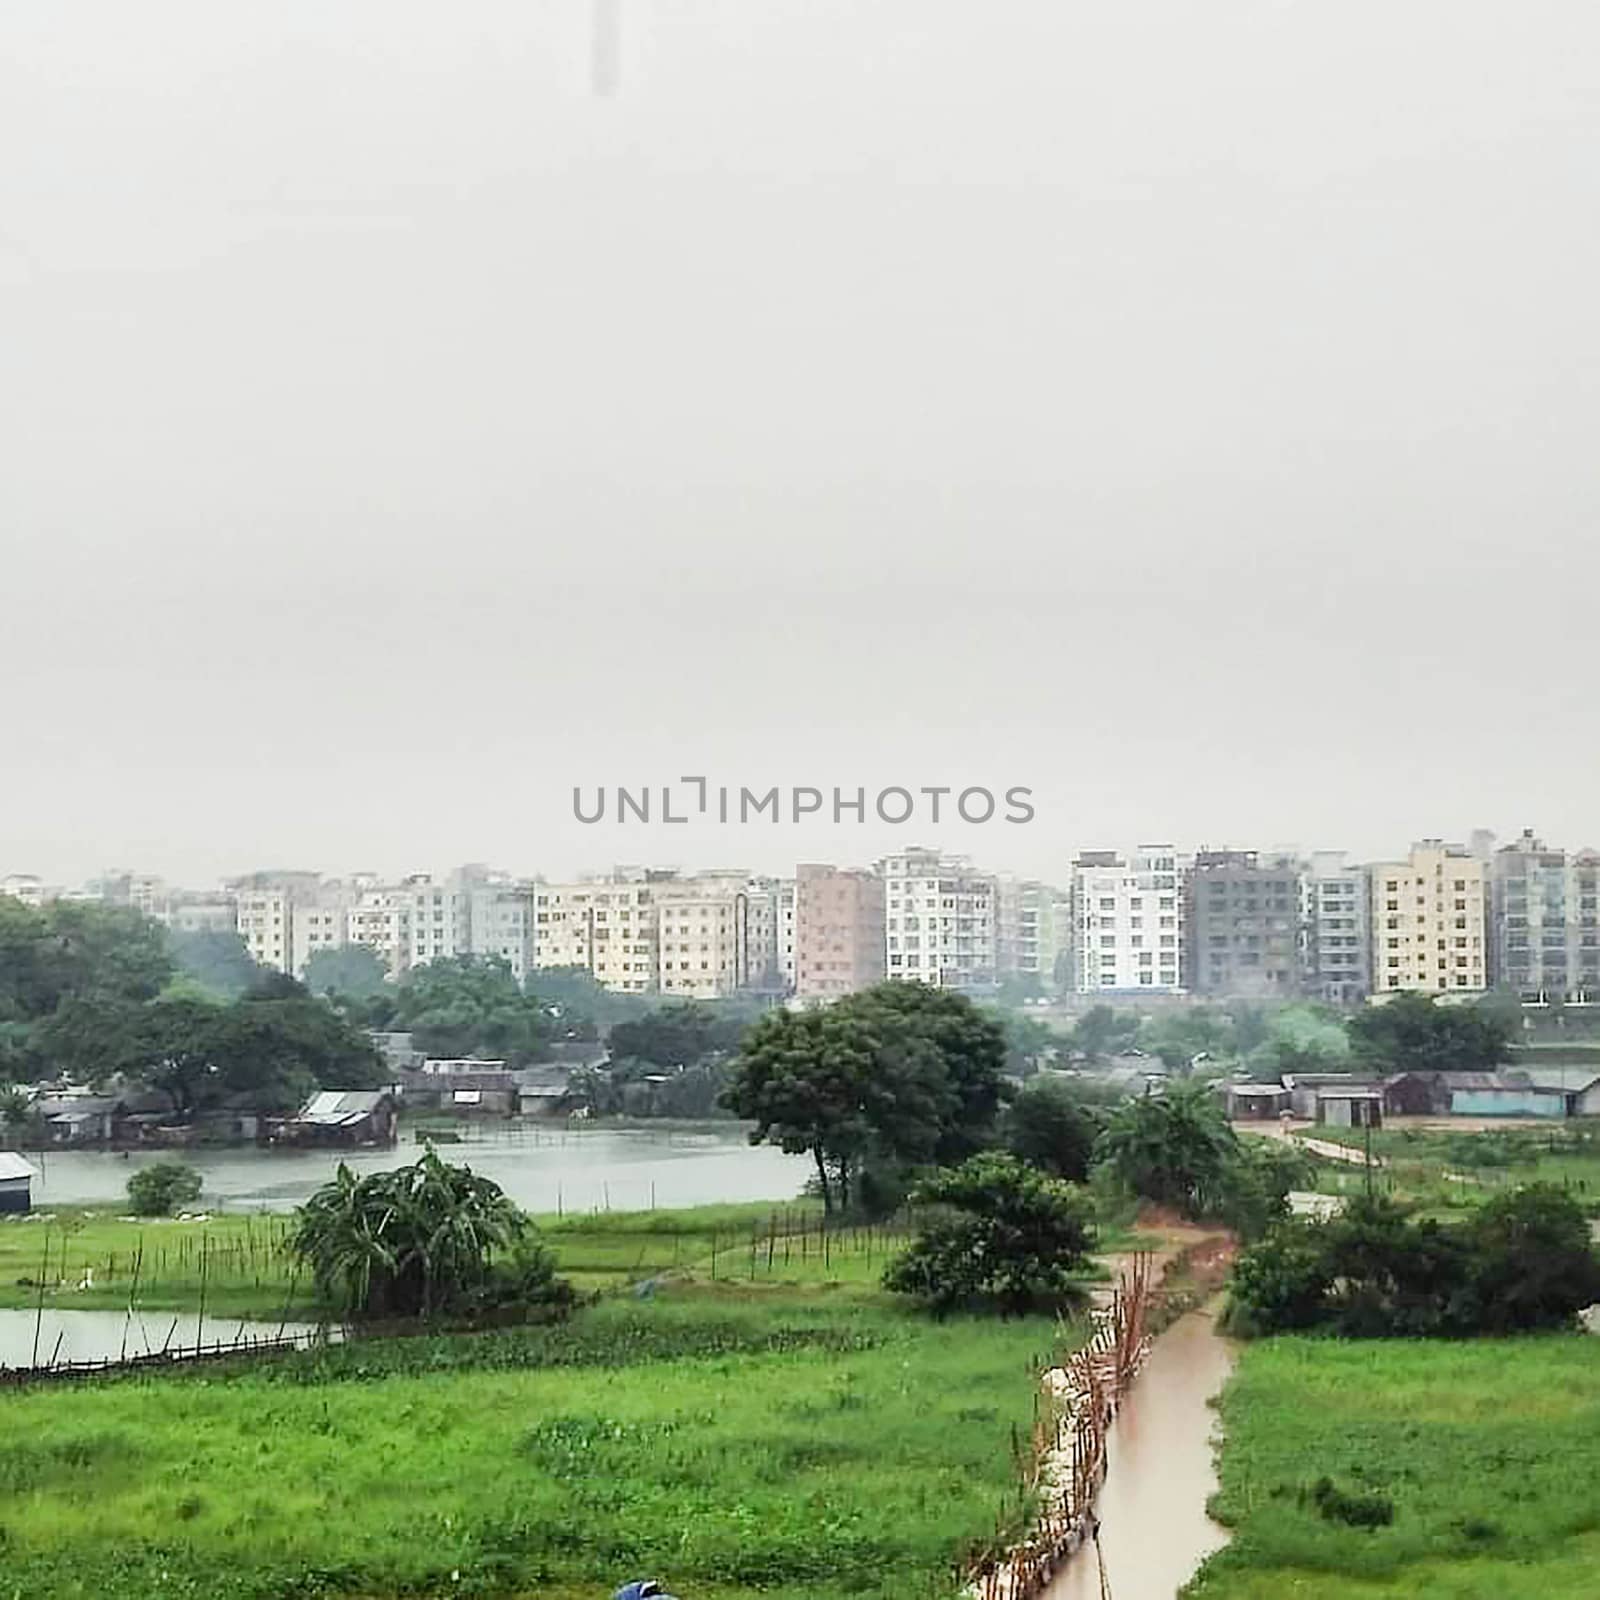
[1415, 1033]
[215, 958]
[472, 1006]
[897, 1074]
[677, 1036]
[354, 971]
[1051, 1126]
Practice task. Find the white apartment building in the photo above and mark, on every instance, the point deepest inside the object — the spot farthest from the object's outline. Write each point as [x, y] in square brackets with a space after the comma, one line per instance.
[264, 919]
[605, 925]
[1336, 926]
[383, 920]
[500, 922]
[23, 886]
[1128, 920]
[318, 921]
[1428, 920]
[939, 920]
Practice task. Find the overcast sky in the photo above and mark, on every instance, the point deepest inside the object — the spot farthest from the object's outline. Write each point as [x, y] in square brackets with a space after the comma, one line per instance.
[1191, 411]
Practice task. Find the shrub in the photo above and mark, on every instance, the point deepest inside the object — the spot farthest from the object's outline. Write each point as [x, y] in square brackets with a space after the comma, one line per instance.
[162, 1188]
[1522, 1260]
[1003, 1234]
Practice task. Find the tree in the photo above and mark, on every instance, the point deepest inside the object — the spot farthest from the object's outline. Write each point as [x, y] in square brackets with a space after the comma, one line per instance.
[1533, 1263]
[216, 958]
[173, 1047]
[354, 971]
[677, 1036]
[899, 1073]
[803, 1078]
[110, 951]
[162, 1188]
[1003, 1234]
[418, 1241]
[472, 1006]
[1100, 1032]
[1414, 1033]
[938, 1028]
[1051, 1127]
[1173, 1148]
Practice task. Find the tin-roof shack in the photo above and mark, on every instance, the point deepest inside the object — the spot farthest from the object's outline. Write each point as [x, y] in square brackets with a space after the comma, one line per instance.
[342, 1117]
[16, 1184]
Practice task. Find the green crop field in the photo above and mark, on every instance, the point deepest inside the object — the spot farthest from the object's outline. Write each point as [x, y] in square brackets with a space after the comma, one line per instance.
[1485, 1454]
[735, 1441]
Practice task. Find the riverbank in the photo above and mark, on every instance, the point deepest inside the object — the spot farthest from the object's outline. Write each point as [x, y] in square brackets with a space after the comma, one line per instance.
[1439, 1470]
[736, 1437]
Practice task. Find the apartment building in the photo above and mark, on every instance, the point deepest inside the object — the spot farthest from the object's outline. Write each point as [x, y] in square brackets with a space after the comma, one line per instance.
[1428, 915]
[939, 920]
[704, 936]
[264, 919]
[607, 926]
[24, 886]
[1128, 921]
[1544, 916]
[1335, 921]
[1243, 925]
[1033, 926]
[384, 920]
[839, 930]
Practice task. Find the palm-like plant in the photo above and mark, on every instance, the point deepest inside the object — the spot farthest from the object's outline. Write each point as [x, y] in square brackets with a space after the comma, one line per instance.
[417, 1241]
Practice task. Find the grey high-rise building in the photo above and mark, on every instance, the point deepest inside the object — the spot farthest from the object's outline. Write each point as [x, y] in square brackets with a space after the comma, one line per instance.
[1244, 925]
[1544, 921]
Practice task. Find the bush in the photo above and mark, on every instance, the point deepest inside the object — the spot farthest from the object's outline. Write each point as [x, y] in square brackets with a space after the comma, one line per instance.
[1521, 1261]
[162, 1188]
[1003, 1235]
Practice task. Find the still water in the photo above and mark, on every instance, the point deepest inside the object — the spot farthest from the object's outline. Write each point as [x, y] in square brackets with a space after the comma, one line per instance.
[103, 1335]
[579, 1169]
[1154, 1530]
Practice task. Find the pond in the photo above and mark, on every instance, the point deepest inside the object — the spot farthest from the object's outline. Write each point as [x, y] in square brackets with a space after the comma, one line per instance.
[541, 1168]
[30, 1339]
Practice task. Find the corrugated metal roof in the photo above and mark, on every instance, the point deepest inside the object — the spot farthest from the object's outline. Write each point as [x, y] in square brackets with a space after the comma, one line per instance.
[338, 1108]
[13, 1166]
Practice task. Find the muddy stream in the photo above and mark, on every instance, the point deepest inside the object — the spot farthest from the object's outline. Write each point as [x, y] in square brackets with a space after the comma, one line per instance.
[1154, 1530]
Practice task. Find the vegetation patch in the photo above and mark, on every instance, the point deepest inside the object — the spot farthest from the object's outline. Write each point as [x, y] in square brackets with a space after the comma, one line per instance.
[1436, 1477]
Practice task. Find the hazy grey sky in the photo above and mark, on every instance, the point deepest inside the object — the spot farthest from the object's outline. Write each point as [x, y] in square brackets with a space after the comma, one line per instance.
[1188, 410]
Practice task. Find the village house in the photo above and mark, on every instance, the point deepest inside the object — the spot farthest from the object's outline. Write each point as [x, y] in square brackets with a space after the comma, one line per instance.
[341, 1117]
[16, 1184]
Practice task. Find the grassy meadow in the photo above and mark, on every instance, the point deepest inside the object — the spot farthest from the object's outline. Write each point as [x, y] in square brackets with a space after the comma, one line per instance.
[1485, 1454]
[735, 1440]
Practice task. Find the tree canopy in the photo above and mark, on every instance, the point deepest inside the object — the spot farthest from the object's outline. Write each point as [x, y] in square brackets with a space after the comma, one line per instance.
[678, 1035]
[1415, 1033]
[472, 1006]
[899, 1073]
[215, 958]
[355, 971]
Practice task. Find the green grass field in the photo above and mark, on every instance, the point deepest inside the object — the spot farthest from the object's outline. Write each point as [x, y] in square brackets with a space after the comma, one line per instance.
[248, 1272]
[1488, 1453]
[735, 1441]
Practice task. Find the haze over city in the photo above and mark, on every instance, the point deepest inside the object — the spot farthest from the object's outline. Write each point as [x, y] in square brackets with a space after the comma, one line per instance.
[1185, 413]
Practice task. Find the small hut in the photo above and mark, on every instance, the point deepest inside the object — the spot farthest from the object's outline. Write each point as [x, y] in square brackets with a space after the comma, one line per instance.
[16, 1184]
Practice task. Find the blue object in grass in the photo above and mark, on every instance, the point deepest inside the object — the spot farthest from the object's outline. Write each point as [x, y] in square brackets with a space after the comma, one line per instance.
[645, 1589]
